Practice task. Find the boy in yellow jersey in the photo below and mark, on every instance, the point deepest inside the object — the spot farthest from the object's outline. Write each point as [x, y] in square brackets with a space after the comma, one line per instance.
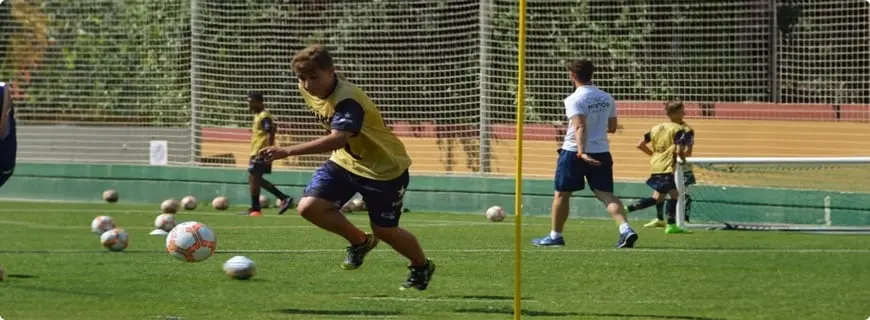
[669, 141]
[262, 135]
[366, 158]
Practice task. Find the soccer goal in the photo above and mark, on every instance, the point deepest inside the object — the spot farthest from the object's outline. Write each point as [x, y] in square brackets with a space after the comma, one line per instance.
[813, 194]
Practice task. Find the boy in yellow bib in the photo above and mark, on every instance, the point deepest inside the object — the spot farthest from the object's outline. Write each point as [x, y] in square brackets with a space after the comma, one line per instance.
[367, 158]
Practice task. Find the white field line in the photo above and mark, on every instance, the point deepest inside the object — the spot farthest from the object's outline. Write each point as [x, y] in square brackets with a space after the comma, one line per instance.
[486, 250]
[352, 216]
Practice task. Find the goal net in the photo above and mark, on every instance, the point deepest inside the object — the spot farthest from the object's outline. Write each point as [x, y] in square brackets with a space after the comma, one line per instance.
[806, 194]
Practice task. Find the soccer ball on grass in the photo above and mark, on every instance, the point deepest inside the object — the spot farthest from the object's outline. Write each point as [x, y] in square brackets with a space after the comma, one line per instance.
[188, 202]
[102, 224]
[220, 203]
[170, 206]
[165, 222]
[240, 268]
[115, 239]
[495, 214]
[191, 241]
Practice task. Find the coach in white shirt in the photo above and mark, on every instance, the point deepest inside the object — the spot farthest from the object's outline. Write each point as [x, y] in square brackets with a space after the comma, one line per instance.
[585, 155]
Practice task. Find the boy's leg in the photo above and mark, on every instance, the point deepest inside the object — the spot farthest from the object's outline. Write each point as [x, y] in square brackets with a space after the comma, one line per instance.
[255, 175]
[384, 200]
[600, 180]
[568, 178]
[671, 208]
[286, 201]
[329, 187]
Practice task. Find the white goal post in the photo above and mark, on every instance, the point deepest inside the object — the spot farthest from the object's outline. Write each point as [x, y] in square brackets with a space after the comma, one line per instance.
[822, 194]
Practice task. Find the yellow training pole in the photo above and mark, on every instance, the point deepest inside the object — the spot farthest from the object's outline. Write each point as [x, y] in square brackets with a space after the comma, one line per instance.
[518, 182]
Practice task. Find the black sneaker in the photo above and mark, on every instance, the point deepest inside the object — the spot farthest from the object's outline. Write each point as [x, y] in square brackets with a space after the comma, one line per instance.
[356, 254]
[419, 277]
[285, 205]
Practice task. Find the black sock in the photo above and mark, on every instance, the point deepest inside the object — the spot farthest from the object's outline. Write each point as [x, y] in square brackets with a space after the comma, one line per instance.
[641, 204]
[660, 210]
[275, 192]
[671, 207]
[255, 203]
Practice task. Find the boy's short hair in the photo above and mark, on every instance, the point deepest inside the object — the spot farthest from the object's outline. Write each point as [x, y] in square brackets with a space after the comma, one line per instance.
[311, 59]
[673, 106]
[582, 67]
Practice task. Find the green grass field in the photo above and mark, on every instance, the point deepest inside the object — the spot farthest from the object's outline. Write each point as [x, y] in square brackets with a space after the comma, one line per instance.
[57, 270]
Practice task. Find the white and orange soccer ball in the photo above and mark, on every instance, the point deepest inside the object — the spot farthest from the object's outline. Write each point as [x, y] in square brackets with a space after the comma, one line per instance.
[188, 203]
[165, 222]
[354, 205]
[220, 203]
[191, 241]
[240, 268]
[495, 214]
[102, 224]
[115, 239]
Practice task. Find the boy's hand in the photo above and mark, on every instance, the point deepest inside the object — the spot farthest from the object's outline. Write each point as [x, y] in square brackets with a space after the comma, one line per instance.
[273, 153]
[588, 159]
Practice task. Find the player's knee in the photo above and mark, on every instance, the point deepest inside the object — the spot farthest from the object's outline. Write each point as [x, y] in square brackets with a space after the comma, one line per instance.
[309, 207]
[615, 207]
[561, 196]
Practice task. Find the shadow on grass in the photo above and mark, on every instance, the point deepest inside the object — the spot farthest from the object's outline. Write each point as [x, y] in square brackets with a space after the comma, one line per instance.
[358, 313]
[533, 313]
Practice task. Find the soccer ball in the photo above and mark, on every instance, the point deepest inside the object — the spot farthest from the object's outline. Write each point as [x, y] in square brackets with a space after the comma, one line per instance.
[240, 268]
[220, 203]
[115, 239]
[264, 201]
[165, 222]
[356, 204]
[188, 202]
[110, 196]
[169, 206]
[191, 241]
[102, 224]
[495, 214]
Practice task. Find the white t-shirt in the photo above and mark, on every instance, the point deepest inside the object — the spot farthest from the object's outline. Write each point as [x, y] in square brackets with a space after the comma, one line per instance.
[598, 107]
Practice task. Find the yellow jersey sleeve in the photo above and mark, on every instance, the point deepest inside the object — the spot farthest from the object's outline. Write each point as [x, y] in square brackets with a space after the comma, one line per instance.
[373, 151]
[260, 129]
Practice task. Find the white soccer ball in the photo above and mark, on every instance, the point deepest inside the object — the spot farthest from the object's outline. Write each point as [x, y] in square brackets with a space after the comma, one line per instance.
[169, 206]
[356, 204]
[102, 224]
[495, 214]
[220, 203]
[115, 239]
[165, 222]
[191, 241]
[188, 203]
[264, 201]
[110, 196]
[240, 268]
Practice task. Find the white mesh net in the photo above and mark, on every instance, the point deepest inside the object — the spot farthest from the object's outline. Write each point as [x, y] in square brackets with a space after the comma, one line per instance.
[88, 74]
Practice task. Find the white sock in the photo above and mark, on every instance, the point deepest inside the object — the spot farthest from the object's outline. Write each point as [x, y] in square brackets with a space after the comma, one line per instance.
[624, 227]
[555, 235]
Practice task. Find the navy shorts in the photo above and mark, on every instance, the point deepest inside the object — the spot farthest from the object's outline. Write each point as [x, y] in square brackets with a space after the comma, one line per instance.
[662, 182]
[572, 173]
[5, 174]
[383, 199]
[259, 166]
